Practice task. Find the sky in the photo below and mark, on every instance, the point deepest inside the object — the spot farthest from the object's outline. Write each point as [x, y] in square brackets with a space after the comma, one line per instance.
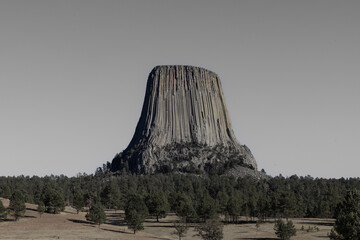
[73, 75]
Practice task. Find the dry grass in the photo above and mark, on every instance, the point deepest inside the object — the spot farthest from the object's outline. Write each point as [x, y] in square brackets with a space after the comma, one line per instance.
[69, 225]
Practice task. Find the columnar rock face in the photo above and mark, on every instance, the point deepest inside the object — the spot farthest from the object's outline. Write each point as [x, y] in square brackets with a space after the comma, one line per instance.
[184, 125]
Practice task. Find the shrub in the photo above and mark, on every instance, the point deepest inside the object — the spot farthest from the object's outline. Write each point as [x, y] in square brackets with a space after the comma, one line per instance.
[284, 230]
[212, 229]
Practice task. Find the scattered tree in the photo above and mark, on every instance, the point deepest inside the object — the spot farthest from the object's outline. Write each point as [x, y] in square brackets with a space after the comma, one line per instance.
[257, 225]
[287, 205]
[347, 224]
[41, 208]
[110, 196]
[134, 220]
[157, 204]
[234, 206]
[135, 212]
[78, 201]
[90, 199]
[184, 207]
[17, 205]
[96, 214]
[181, 229]
[222, 199]
[3, 212]
[57, 202]
[53, 199]
[6, 192]
[207, 207]
[284, 230]
[212, 229]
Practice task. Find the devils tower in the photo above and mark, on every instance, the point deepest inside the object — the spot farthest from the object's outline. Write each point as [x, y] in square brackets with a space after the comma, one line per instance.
[184, 126]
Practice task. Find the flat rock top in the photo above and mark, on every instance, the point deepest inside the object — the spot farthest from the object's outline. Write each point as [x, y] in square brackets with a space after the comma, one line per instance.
[184, 67]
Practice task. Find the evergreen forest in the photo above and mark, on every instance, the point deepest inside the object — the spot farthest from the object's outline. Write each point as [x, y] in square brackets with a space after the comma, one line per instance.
[192, 197]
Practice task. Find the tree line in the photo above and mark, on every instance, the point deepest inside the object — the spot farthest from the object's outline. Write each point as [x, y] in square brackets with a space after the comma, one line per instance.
[193, 197]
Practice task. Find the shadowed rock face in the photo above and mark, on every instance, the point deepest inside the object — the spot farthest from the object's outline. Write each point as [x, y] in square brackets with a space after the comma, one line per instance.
[184, 125]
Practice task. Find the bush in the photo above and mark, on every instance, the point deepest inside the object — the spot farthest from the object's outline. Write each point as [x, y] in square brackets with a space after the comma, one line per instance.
[284, 230]
[212, 229]
[181, 229]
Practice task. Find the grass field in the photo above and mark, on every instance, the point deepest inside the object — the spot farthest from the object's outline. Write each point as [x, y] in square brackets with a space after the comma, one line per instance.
[69, 225]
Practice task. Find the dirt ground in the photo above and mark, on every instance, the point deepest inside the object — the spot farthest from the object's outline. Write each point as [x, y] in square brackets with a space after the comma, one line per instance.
[69, 225]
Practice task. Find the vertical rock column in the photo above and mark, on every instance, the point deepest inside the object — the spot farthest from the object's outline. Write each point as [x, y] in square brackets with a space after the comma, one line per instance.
[183, 105]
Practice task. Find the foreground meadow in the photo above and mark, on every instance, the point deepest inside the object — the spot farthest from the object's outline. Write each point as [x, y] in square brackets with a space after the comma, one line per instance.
[69, 225]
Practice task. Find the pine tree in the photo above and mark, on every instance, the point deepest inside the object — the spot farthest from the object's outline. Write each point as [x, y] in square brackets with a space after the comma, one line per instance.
[347, 224]
[222, 199]
[17, 205]
[134, 220]
[234, 206]
[96, 214]
[110, 196]
[157, 204]
[57, 202]
[41, 208]
[90, 199]
[184, 207]
[287, 205]
[135, 212]
[53, 199]
[6, 192]
[284, 230]
[3, 212]
[207, 207]
[78, 201]
[105, 196]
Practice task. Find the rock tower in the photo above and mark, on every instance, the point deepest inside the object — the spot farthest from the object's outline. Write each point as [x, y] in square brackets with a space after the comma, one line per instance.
[184, 126]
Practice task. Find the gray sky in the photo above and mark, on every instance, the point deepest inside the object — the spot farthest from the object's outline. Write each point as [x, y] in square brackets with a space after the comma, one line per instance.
[73, 76]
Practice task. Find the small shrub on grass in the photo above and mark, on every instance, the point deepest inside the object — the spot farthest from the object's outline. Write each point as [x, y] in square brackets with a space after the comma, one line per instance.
[212, 229]
[284, 230]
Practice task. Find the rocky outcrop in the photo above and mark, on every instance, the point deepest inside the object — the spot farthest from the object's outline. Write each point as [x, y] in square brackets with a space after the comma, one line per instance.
[184, 125]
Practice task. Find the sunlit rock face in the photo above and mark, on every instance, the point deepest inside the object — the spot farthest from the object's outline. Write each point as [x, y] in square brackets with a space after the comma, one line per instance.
[184, 126]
